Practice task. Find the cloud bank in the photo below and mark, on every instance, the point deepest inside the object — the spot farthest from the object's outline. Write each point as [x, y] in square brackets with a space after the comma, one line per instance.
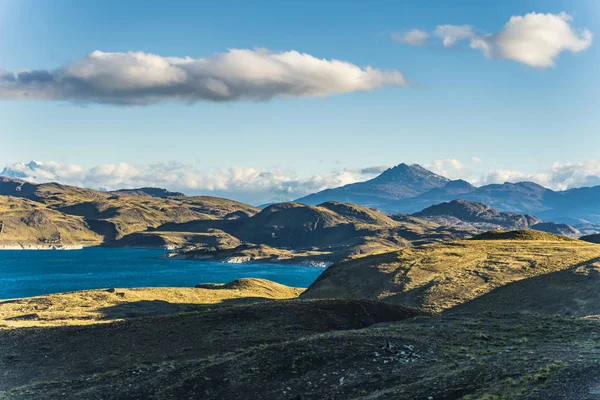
[561, 176]
[251, 185]
[257, 186]
[238, 74]
[534, 39]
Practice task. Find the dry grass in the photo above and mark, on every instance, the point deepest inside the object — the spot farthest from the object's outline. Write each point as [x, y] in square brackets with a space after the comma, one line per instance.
[77, 216]
[441, 276]
[107, 305]
[28, 223]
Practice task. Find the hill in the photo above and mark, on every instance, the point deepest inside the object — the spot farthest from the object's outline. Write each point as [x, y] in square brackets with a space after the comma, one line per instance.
[147, 191]
[28, 224]
[477, 215]
[329, 232]
[409, 189]
[591, 238]
[520, 235]
[442, 276]
[114, 215]
[108, 305]
[228, 230]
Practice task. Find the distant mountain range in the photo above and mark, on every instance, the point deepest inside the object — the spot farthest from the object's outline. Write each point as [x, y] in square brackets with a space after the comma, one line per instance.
[411, 188]
[464, 214]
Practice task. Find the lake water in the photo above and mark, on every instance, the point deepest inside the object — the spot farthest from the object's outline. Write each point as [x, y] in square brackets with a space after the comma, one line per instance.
[26, 273]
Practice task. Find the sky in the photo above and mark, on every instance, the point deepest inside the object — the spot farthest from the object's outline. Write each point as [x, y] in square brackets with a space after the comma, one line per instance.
[269, 100]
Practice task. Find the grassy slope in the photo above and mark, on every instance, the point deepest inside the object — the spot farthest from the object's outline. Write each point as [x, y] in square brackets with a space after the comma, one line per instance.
[441, 276]
[28, 223]
[129, 214]
[102, 306]
[114, 216]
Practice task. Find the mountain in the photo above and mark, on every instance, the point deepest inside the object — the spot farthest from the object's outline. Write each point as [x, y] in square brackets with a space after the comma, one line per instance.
[408, 189]
[557, 229]
[400, 182]
[475, 214]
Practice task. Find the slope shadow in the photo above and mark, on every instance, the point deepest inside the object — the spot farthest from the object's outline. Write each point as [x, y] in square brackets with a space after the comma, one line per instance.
[72, 351]
[147, 308]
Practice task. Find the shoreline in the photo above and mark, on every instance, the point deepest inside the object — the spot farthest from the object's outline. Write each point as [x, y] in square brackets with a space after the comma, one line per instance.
[229, 260]
[250, 260]
[41, 247]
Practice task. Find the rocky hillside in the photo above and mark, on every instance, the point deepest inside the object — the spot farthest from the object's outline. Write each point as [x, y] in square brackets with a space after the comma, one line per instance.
[443, 276]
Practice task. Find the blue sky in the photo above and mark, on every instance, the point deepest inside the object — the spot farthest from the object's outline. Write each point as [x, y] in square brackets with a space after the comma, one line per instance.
[457, 105]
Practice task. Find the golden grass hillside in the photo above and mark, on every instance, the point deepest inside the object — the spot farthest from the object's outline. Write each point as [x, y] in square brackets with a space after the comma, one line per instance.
[107, 305]
[117, 216]
[114, 215]
[441, 276]
[25, 223]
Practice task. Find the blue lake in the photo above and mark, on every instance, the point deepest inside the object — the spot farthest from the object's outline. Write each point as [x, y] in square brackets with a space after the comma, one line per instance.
[26, 273]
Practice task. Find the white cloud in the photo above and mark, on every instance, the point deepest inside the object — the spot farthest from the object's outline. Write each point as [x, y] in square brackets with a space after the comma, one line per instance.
[452, 34]
[415, 37]
[502, 176]
[476, 160]
[238, 74]
[247, 184]
[450, 168]
[537, 39]
[257, 186]
[44, 172]
[561, 176]
[534, 39]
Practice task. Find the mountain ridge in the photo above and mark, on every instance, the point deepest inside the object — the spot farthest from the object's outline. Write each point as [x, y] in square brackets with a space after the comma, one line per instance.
[420, 188]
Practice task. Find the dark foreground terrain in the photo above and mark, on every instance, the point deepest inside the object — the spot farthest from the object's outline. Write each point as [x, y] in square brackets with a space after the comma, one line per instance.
[507, 315]
[306, 349]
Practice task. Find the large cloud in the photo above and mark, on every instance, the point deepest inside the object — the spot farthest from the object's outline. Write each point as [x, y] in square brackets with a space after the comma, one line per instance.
[238, 74]
[533, 39]
[247, 184]
[258, 186]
